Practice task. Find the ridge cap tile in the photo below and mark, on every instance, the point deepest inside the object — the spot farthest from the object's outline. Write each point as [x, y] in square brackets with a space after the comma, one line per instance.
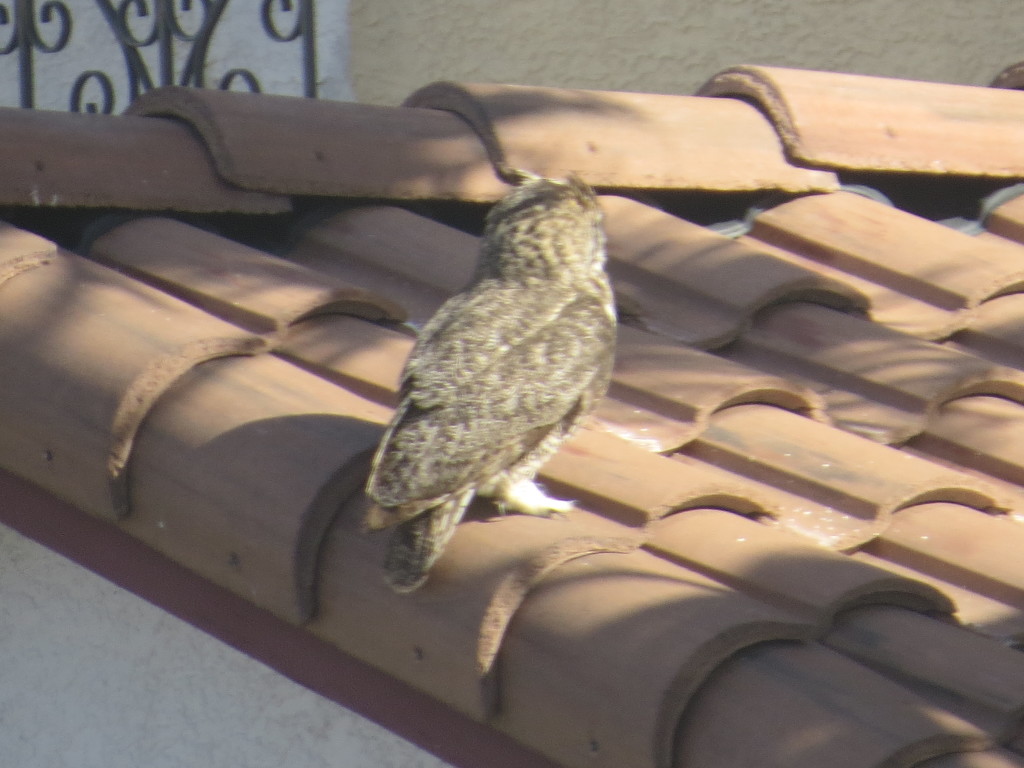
[618, 139]
[68, 160]
[299, 146]
[860, 122]
[1011, 76]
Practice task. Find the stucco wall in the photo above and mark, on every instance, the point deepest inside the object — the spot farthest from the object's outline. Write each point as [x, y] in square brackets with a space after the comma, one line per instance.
[95, 677]
[671, 47]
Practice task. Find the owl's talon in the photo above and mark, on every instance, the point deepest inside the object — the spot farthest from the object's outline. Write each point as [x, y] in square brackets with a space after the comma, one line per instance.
[527, 498]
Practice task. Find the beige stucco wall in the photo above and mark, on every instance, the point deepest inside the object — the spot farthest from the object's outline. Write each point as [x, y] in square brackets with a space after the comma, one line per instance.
[671, 46]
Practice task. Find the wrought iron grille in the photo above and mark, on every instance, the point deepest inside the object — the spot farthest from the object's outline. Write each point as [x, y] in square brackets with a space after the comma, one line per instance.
[160, 42]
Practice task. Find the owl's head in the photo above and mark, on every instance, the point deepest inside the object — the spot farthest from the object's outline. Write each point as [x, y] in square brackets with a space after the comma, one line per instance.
[546, 228]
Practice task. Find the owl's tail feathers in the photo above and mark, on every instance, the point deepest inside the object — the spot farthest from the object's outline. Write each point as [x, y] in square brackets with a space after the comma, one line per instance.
[416, 544]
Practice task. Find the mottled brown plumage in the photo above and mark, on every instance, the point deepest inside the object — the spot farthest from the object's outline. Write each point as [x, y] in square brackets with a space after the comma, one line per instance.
[500, 376]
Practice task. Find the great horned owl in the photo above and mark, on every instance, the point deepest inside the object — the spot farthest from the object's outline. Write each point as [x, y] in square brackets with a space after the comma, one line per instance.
[499, 377]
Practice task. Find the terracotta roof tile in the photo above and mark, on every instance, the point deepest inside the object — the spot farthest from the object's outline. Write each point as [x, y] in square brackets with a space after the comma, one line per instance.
[411, 259]
[232, 281]
[947, 270]
[876, 123]
[880, 383]
[804, 705]
[633, 485]
[601, 660]
[355, 354]
[959, 545]
[954, 667]
[744, 578]
[988, 617]
[985, 433]
[861, 482]
[696, 286]
[1007, 220]
[784, 569]
[60, 160]
[685, 386]
[76, 332]
[240, 470]
[445, 638]
[997, 331]
[343, 149]
[624, 140]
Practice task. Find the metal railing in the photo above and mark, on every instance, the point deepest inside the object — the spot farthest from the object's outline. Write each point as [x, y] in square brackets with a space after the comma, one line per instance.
[31, 29]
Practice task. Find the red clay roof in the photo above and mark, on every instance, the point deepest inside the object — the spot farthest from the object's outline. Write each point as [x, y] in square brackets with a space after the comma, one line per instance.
[800, 507]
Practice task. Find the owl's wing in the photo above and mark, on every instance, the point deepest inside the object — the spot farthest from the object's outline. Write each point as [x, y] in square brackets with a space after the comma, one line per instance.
[484, 387]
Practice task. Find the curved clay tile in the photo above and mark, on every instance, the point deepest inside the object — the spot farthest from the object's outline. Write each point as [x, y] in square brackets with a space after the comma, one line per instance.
[239, 469]
[61, 159]
[996, 331]
[876, 382]
[961, 671]
[75, 332]
[981, 432]
[960, 545]
[989, 618]
[624, 482]
[663, 393]
[444, 638]
[295, 146]
[860, 483]
[925, 261]
[21, 251]
[353, 353]
[1007, 219]
[884, 305]
[805, 706]
[605, 654]
[413, 260]
[624, 140]
[686, 282]
[237, 283]
[783, 569]
[1011, 77]
[858, 122]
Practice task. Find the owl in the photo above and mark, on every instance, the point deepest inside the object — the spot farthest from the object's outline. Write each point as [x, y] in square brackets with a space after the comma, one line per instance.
[499, 377]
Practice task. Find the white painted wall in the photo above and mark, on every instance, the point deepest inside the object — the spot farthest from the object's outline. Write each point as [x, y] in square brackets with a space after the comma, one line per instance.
[94, 677]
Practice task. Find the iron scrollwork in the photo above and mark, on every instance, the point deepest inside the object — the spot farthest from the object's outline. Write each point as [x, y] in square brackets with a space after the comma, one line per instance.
[139, 26]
